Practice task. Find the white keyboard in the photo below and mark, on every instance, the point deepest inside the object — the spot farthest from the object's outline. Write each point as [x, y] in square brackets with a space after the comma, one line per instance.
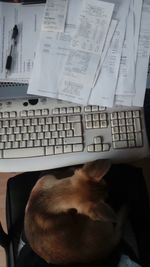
[51, 134]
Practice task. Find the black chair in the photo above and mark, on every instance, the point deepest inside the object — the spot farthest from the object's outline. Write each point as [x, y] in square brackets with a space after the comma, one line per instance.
[18, 190]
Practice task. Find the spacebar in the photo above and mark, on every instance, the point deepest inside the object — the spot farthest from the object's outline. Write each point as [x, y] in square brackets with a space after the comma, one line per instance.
[23, 152]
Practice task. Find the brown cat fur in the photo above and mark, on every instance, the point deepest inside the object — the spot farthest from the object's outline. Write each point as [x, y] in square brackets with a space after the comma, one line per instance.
[68, 221]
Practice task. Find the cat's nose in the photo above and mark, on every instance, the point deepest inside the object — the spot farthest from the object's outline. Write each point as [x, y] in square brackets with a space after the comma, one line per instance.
[72, 211]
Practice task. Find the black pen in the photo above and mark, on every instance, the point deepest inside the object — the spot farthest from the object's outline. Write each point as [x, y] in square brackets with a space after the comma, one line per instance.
[13, 44]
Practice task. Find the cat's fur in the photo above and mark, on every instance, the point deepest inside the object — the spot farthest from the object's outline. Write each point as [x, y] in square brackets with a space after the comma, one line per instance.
[68, 221]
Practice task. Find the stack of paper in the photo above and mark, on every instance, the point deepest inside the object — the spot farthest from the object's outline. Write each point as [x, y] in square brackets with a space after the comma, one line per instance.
[28, 20]
[93, 52]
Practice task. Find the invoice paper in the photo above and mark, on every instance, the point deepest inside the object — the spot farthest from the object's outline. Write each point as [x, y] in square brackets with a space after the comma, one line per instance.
[86, 48]
[55, 52]
[52, 50]
[142, 56]
[55, 15]
[142, 62]
[126, 79]
[104, 90]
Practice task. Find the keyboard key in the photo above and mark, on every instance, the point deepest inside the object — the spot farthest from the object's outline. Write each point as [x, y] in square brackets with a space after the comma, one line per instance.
[63, 110]
[120, 144]
[5, 115]
[23, 152]
[77, 128]
[88, 117]
[30, 113]
[37, 143]
[136, 113]
[44, 142]
[41, 121]
[75, 118]
[98, 148]
[114, 123]
[115, 137]
[23, 113]
[131, 143]
[38, 112]
[96, 124]
[128, 114]
[58, 149]
[137, 124]
[94, 108]
[123, 136]
[105, 147]
[103, 124]
[77, 147]
[67, 148]
[55, 111]
[70, 110]
[138, 139]
[49, 150]
[97, 140]
[121, 115]
[77, 109]
[88, 125]
[90, 148]
[88, 108]
[114, 116]
[13, 114]
[103, 116]
[45, 112]
[72, 140]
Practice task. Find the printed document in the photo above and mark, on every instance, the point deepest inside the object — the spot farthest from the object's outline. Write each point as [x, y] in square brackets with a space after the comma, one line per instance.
[94, 21]
[110, 34]
[126, 79]
[55, 15]
[52, 50]
[75, 67]
[142, 62]
[86, 47]
[103, 92]
[142, 56]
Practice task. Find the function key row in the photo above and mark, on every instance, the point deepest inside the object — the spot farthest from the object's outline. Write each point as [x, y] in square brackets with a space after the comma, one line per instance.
[93, 108]
[66, 110]
[7, 115]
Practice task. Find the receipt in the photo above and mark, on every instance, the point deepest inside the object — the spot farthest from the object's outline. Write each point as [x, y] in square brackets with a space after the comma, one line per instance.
[52, 50]
[142, 56]
[126, 75]
[55, 15]
[142, 62]
[104, 90]
[109, 37]
[77, 78]
[81, 65]
[92, 29]
[126, 80]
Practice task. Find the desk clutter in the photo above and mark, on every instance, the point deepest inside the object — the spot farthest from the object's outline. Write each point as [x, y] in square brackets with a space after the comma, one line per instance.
[88, 52]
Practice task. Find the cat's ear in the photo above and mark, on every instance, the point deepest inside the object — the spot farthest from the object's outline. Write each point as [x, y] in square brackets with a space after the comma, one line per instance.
[95, 170]
[103, 212]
